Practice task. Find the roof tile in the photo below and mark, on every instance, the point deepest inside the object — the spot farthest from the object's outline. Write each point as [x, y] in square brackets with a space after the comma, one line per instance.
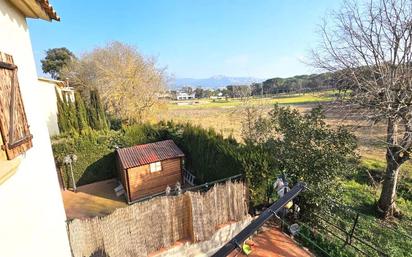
[139, 155]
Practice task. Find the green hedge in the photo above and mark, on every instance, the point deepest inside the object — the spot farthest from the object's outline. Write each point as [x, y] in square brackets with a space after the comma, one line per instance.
[208, 154]
[95, 156]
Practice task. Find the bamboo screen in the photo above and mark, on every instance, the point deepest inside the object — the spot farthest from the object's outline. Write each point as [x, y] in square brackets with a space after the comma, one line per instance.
[146, 227]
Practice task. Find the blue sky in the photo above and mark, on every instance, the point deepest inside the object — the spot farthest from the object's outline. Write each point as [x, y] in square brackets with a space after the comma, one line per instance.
[193, 38]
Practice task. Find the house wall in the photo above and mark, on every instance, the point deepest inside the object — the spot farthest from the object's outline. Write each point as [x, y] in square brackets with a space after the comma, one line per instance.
[47, 90]
[32, 218]
[142, 182]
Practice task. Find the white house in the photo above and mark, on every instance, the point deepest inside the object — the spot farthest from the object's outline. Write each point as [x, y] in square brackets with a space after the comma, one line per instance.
[184, 96]
[48, 88]
[32, 218]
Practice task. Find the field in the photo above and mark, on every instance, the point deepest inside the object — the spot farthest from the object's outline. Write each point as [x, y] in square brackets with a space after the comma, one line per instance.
[361, 191]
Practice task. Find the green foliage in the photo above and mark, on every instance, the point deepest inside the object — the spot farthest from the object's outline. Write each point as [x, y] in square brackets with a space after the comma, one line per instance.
[71, 115]
[258, 168]
[140, 134]
[55, 60]
[389, 236]
[62, 117]
[77, 118]
[97, 116]
[95, 152]
[81, 112]
[305, 149]
[208, 155]
[300, 83]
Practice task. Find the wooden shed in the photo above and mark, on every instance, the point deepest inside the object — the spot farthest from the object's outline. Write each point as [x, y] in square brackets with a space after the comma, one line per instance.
[148, 169]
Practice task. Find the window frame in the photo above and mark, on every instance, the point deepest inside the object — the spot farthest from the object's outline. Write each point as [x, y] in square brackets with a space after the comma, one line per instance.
[155, 166]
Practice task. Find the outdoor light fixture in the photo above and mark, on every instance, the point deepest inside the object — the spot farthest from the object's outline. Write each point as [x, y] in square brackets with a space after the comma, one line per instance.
[70, 160]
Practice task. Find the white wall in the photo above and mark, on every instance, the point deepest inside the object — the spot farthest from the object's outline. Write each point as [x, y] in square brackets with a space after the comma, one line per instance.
[32, 218]
[47, 91]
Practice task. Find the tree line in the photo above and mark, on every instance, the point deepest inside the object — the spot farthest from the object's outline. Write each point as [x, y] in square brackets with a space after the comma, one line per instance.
[80, 116]
[273, 86]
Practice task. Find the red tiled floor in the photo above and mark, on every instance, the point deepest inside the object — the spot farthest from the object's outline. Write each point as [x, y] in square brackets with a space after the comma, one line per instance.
[274, 243]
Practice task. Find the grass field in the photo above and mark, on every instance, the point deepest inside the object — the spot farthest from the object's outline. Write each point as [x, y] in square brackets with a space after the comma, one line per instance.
[293, 99]
[361, 191]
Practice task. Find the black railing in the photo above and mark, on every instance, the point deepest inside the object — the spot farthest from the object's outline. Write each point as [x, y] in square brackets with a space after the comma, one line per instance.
[259, 221]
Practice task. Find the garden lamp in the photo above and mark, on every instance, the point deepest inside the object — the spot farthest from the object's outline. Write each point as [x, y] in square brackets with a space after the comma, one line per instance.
[70, 160]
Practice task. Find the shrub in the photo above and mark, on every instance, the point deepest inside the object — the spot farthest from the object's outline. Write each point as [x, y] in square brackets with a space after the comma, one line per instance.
[208, 155]
[305, 149]
[95, 152]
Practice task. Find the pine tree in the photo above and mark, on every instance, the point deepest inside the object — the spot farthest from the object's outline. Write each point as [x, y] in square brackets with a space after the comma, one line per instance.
[81, 112]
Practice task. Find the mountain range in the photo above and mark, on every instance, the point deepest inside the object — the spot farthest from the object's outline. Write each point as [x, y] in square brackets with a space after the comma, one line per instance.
[213, 82]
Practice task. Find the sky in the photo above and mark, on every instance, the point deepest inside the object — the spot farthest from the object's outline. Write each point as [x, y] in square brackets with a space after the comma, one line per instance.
[193, 38]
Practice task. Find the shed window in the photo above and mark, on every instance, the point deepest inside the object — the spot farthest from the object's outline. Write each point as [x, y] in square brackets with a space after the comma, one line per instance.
[156, 166]
[14, 130]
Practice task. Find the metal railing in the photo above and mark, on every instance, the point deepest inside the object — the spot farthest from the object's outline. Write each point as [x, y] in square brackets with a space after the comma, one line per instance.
[259, 221]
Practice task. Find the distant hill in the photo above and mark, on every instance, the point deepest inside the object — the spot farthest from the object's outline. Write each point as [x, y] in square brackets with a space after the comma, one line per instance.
[213, 82]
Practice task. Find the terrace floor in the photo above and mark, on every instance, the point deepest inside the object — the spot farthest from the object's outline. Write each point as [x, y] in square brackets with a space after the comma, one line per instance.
[272, 242]
[96, 199]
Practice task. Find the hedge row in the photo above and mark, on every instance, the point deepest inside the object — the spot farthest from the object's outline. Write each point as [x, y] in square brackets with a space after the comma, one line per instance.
[208, 155]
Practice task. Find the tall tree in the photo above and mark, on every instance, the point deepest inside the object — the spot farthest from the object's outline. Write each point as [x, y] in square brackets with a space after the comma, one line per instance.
[370, 45]
[71, 115]
[55, 60]
[128, 82]
[97, 116]
[81, 112]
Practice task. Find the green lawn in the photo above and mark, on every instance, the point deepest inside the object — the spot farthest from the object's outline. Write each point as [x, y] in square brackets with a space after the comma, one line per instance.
[393, 237]
[325, 96]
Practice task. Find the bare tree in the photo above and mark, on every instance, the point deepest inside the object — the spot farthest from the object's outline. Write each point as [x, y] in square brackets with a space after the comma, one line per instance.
[369, 46]
[128, 83]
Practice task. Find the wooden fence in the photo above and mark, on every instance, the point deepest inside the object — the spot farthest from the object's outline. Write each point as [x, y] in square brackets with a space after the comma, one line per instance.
[145, 227]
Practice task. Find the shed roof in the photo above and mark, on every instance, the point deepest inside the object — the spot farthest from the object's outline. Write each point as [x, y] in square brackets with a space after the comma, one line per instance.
[139, 155]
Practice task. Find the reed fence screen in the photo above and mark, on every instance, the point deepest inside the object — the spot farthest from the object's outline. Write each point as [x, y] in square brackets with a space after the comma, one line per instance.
[146, 227]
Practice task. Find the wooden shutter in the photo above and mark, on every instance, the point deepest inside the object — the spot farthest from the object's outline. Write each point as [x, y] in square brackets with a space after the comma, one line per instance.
[13, 122]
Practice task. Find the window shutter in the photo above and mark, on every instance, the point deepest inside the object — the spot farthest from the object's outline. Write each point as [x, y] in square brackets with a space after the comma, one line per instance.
[13, 122]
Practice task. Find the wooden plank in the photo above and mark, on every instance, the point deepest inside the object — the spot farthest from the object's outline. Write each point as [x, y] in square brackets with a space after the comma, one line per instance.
[166, 180]
[9, 66]
[13, 122]
[142, 182]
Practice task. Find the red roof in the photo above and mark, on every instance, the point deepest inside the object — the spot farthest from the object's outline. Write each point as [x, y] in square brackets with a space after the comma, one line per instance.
[139, 155]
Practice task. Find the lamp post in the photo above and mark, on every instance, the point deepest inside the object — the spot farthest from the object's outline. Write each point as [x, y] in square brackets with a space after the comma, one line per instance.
[70, 160]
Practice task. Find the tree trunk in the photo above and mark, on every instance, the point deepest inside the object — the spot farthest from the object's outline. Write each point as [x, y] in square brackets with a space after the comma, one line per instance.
[386, 203]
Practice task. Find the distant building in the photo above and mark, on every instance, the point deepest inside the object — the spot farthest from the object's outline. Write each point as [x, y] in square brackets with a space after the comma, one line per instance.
[185, 96]
[218, 96]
